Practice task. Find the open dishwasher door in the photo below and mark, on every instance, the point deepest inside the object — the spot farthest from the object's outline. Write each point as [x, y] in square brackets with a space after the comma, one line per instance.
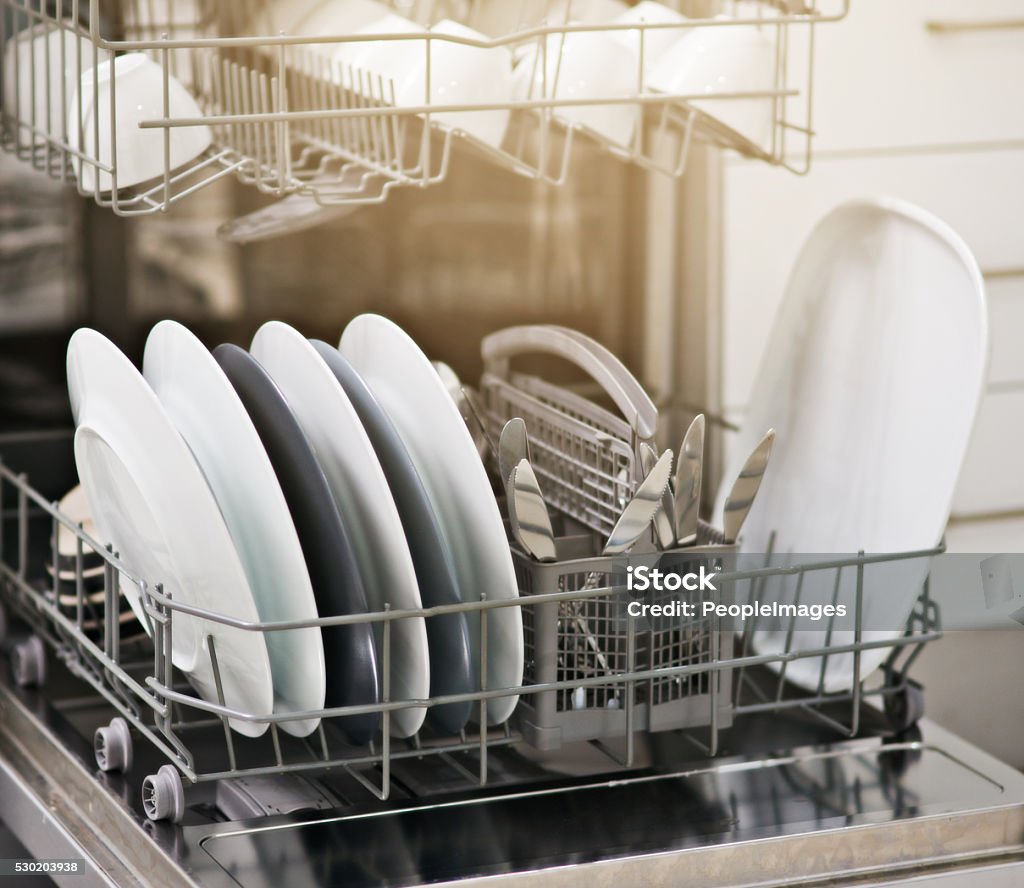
[786, 810]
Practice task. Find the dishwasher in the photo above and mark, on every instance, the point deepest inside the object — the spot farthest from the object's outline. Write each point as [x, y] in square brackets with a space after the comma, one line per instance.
[661, 749]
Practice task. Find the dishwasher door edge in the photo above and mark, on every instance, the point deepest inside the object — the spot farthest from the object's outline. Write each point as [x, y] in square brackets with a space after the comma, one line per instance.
[55, 808]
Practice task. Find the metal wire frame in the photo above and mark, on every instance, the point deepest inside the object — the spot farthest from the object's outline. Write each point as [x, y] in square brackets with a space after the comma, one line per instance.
[145, 693]
[923, 625]
[584, 455]
[288, 140]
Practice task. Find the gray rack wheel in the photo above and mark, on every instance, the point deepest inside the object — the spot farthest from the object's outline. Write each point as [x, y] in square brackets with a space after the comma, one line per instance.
[28, 661]
[905, 707]
[163, 795]
[113, 746]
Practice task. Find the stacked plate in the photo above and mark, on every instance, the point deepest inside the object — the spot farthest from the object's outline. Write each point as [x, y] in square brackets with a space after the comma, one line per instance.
[78, 575]
[291, 483]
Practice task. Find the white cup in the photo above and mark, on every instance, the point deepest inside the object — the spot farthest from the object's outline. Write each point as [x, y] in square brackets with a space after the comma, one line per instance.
[587, 12]
[656, 41]
[38, 49]
[459, 74]
[503, 17]
[334, 18]
[583, 65]
[728, 59]
[139, 86]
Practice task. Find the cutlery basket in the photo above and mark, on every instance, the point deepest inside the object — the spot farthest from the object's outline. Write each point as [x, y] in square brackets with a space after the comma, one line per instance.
[625, 673]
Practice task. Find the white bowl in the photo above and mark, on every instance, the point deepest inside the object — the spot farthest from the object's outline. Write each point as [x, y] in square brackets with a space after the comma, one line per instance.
[138, 87]
[38, 49]
[459, 74]
[587, 65]
[657, 41]
[729, 59]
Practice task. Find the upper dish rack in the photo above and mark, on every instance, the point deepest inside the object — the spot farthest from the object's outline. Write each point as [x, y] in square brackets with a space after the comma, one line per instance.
[285, 116]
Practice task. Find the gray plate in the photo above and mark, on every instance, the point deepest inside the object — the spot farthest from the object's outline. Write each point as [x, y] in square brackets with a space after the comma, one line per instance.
[353, 676]
[451, 664]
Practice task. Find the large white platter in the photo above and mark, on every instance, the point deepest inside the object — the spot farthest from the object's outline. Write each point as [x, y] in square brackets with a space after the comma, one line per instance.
[206, 410]
[872, 380]
[150, 500]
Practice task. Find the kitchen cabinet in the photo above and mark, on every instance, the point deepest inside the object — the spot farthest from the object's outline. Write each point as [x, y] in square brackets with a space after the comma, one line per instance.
[942, 139]
[915, 74]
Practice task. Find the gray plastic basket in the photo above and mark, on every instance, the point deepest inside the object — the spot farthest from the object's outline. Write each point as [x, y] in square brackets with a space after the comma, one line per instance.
[582, 640]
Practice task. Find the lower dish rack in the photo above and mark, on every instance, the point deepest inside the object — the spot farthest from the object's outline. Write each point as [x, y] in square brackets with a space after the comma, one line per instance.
[593, 671]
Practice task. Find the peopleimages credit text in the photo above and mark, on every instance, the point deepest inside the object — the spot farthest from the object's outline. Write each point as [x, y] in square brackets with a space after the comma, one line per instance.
[643, 579]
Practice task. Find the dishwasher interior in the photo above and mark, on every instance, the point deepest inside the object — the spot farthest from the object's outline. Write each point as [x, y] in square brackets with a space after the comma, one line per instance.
[659, 751]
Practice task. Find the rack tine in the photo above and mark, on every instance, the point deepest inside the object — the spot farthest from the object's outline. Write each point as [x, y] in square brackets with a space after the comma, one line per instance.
[211, 647]
[828, 632]
[276, 738]
[385, 763]
[483, 687]
[789, 635]
[79, 578]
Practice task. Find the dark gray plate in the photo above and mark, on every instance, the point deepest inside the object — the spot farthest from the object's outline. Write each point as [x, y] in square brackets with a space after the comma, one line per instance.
[451, 664]
[349, 652]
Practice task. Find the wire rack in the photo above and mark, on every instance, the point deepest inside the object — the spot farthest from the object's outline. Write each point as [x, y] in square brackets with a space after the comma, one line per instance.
[685, 672]
[288, 118]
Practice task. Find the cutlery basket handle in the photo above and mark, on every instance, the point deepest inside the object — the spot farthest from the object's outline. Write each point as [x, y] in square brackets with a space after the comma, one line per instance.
[590, 356]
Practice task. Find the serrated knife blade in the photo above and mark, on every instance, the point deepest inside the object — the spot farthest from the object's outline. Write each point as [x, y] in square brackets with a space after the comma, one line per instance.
[641, 509]
[664, 528]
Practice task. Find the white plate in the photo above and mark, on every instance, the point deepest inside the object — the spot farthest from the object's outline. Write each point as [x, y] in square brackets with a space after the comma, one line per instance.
[416, 400]
[872, 381]
[150, 500]
[364, 500]
[208, 413]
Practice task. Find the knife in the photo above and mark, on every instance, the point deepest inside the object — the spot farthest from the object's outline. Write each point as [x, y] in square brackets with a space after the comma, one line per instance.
[689, 473]
[513, 447]
[664, 529]
[640, 511]
[744, 489]
[528, 513]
